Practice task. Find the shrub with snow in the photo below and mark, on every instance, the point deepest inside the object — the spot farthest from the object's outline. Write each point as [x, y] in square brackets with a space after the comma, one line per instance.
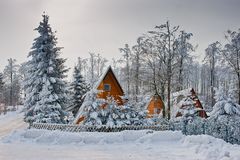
[189, 121]
[106, 112]
[224, 121]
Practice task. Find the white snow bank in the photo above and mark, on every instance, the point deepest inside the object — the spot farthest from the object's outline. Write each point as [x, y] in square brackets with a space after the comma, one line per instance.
[212, 148]
[59, 137]
[201, 147]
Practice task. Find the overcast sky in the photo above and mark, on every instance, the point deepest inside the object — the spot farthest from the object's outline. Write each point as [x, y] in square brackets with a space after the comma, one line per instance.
[103, 26]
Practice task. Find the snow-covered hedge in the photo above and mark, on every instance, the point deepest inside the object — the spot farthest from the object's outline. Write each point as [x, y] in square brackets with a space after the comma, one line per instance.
[99, 112]
[228, 130]
[224, 121]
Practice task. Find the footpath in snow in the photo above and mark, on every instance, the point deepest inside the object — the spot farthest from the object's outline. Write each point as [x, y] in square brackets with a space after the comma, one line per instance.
[11, 121]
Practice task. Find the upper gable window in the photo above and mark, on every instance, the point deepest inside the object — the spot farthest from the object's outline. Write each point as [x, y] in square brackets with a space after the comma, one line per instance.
[157, 110]
[107, 87]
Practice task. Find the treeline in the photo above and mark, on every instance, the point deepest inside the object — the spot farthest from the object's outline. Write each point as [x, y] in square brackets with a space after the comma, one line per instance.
[11, 91]
[163, 61]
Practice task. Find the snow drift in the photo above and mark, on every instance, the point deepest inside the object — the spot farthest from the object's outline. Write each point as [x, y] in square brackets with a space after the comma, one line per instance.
[203, 146]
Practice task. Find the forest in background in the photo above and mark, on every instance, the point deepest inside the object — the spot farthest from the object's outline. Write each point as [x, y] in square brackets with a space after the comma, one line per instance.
[162, 61]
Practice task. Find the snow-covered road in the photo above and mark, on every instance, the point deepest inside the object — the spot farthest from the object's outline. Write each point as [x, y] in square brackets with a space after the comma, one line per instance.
[24, 144]
[10, 122]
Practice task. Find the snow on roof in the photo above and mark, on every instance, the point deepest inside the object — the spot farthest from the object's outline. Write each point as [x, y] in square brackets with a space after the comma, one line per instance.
[148, 98]
[184, 92]
[175, 105]
[95, 86]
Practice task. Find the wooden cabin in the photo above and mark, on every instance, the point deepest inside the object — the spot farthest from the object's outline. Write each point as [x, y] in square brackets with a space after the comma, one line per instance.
[108, 86]
[189, 93]
[155, 105]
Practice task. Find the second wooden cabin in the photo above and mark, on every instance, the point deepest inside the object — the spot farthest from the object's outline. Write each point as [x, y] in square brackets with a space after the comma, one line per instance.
[155, 105]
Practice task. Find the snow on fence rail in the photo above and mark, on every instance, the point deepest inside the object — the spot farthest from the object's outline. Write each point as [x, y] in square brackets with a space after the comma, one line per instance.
[84, 128]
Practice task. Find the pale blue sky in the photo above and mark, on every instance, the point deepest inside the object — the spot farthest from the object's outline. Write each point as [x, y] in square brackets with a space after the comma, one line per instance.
[103, 26]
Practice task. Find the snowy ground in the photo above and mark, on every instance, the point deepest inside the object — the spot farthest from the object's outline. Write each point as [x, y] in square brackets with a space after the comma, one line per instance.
[11, 121]
[23, 144]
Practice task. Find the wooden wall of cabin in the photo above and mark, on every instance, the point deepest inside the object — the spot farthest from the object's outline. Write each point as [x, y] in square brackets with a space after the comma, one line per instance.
[115, 90]
[155, 104]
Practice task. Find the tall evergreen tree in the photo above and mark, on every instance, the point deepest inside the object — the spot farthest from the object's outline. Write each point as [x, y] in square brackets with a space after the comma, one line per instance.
[1, 88]
[79, 88]
[10, 71]
[44, 85]
[231, 54]
[211, 57]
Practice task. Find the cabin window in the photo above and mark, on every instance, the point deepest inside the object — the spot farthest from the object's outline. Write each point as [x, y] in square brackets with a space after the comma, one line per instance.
[107, 87]
[156, 110]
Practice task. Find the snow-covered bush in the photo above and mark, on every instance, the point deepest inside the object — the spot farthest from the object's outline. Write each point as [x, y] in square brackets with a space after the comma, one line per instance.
[224, 120]
[106, 112]
[189, 121]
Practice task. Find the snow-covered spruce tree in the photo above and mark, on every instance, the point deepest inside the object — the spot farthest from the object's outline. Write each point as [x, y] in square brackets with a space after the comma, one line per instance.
[100, 112]
[224, 120]
[11, 78]
[44, 85]
[212, 57]
[126, 114]
[91, 108]
[1, 88]
[231, 54]
[232, 92]
[190, 122]
[79, 88]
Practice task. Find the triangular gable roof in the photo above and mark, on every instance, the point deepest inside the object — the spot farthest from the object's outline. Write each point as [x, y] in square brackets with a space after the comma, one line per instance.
[153, 104]
[150, 99]
[186, 93]
[148, 102]
[108, 70]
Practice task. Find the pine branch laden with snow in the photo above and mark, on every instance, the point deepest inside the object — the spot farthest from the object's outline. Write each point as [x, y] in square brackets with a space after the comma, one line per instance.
[189, 118]
[224, 120]
[225, 105]
[106, 112]
[1, 89]
[79, 88]
[44, 85]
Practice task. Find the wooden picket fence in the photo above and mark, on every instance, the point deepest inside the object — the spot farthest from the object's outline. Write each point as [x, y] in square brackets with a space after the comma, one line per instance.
[103, 128]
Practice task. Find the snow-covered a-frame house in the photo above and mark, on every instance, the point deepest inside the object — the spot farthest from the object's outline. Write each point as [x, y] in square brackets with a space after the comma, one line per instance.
[155, 105]
[177, 98]
[108, 86]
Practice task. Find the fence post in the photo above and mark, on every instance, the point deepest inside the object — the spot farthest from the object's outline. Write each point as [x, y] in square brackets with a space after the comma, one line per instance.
[29, 125]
